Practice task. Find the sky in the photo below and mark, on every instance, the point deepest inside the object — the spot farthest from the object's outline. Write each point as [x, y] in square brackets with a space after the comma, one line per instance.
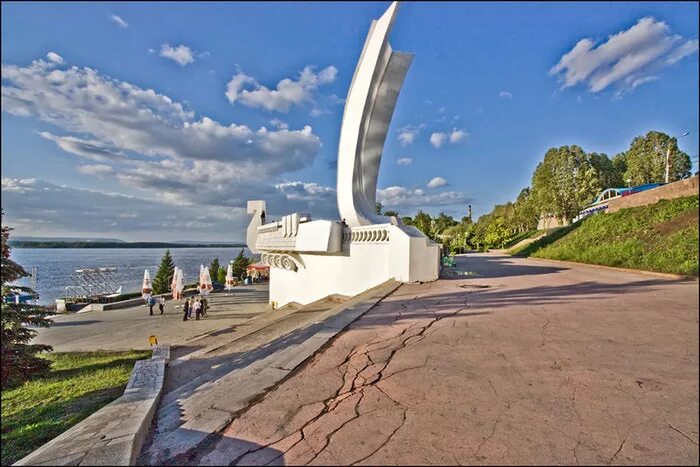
[158, 121]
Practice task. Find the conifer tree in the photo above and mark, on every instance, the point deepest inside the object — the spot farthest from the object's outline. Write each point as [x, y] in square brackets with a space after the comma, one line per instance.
[214, 269]
[240, 264]
[164, 276]
[19, 358]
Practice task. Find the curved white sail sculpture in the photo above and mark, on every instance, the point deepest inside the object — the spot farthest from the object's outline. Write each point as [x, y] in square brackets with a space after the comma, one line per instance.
[369, 107]
[311, 259]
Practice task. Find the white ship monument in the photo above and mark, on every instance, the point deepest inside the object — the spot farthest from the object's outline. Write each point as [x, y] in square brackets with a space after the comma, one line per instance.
[311, 259]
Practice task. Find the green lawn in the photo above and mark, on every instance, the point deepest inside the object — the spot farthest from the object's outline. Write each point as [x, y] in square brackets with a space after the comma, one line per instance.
[79, 384]
[660, 237]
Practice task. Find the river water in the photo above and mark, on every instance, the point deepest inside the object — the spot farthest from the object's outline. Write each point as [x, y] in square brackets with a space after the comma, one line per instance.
[55, 265]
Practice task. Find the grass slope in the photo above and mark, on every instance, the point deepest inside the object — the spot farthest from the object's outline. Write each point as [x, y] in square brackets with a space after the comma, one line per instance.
[79, 384]
[660, 237]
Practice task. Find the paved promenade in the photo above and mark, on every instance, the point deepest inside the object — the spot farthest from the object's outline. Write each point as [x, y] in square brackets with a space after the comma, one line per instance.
[129, 328]
[517, 361]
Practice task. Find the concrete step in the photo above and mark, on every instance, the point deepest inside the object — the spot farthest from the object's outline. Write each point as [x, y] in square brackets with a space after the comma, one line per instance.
[208, 404]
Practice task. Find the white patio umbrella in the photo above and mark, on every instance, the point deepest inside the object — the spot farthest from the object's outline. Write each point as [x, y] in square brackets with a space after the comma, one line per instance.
[173, 283]
[180, 283]
[229, 278]
[146, 286]
[205, 285]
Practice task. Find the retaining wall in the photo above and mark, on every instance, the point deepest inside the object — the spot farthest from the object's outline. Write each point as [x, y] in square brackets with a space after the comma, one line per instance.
[114, 434]
[687, 187]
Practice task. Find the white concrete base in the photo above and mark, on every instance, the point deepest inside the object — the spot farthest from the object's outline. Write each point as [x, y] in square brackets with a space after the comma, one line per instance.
[370, 255]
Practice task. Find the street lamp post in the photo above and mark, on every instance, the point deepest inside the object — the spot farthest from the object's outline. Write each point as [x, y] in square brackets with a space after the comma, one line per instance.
[668, 157]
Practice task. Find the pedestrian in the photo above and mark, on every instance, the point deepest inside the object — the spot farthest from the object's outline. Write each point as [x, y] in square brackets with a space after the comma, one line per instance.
[205, 305]
[161, 304]
[197, 309]
[186, 307]
[151, 304]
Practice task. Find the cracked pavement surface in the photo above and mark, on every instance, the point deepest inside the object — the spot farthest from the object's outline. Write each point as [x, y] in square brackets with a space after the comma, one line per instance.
[520, 361]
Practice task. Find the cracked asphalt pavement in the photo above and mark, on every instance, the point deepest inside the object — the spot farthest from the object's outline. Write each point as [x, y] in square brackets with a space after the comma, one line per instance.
[515, 361]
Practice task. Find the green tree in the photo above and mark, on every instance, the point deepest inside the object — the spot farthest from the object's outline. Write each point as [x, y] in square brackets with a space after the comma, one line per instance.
[608, 175]
[423, 222]
[564, 182]
[391, 213]
[378, 207]
[221, 276]
[619, 163]
[240, 264]
[646, 159]
[443, 222]
[20, 359]
[164, 276]
[214, 270]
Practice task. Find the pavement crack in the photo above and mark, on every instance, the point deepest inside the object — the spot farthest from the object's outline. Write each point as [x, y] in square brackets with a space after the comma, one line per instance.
[544, 338]
[682, 433]
[389, 438]
[622, 444]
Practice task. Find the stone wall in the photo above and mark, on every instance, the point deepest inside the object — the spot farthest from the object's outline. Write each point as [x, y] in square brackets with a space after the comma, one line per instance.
[114, 434]
[687, 187]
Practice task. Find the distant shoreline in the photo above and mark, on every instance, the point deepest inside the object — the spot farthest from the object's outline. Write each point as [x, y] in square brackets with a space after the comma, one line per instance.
[34, 244]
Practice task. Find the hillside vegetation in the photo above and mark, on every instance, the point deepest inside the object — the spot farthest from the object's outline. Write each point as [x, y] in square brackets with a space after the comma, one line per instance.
[660, 237]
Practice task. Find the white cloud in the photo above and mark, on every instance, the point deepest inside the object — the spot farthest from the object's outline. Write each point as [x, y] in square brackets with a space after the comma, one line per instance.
[404, 161]
[627, 59]
[407, 134]
[54, 58]
[300, 191]
[246, 90]
[437, 182]
[122, 117]
[394, 196]
[119, 21]
[438, 139]
[454, 136]
[442, 109]
[98, 170]
[37, 207]
[277, 123]
[457, 135]
[505, 95]
[154, 147]
[181, 54]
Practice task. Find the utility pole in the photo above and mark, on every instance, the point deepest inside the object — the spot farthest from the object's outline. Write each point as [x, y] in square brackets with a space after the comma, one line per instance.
[668, 158]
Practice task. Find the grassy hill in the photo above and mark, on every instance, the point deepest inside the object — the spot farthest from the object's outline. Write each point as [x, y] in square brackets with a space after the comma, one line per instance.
[660, 237]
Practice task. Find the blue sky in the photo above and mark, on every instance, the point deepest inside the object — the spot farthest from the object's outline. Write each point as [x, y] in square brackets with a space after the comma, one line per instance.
[142, 121]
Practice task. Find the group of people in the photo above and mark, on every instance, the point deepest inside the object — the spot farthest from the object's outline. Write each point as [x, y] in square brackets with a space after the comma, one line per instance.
[152, 302]
[198, 306]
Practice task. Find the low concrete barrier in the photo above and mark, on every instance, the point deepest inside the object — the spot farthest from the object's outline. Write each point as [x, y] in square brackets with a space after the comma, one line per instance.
[114, 434]
[687, 187]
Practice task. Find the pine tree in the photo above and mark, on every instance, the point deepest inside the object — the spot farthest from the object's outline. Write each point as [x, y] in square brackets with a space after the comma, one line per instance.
[19, 358]
[240, 264]
[164, 276]
[214, 269]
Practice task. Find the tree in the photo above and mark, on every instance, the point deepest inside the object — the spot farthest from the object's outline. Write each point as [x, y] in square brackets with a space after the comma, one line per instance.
[608, 174]
[378, 207]
[391, 213]
[164, 276]
[240, 264]
[20, 359]
[564, 182]
[423, 222]
[221, 276]
[214, 270]
[646, 159]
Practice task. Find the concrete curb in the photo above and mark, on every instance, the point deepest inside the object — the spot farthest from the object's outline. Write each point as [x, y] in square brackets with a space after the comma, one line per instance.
[612, 268]
[114, 434]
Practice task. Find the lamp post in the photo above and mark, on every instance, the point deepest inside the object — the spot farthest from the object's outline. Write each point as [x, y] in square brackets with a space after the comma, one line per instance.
[668, 156]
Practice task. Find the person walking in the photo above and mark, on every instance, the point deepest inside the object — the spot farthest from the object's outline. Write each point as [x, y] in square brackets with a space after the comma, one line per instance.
[151, 304]
[186, 307]
[205, 305]
[197, 309]
[161, 304]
